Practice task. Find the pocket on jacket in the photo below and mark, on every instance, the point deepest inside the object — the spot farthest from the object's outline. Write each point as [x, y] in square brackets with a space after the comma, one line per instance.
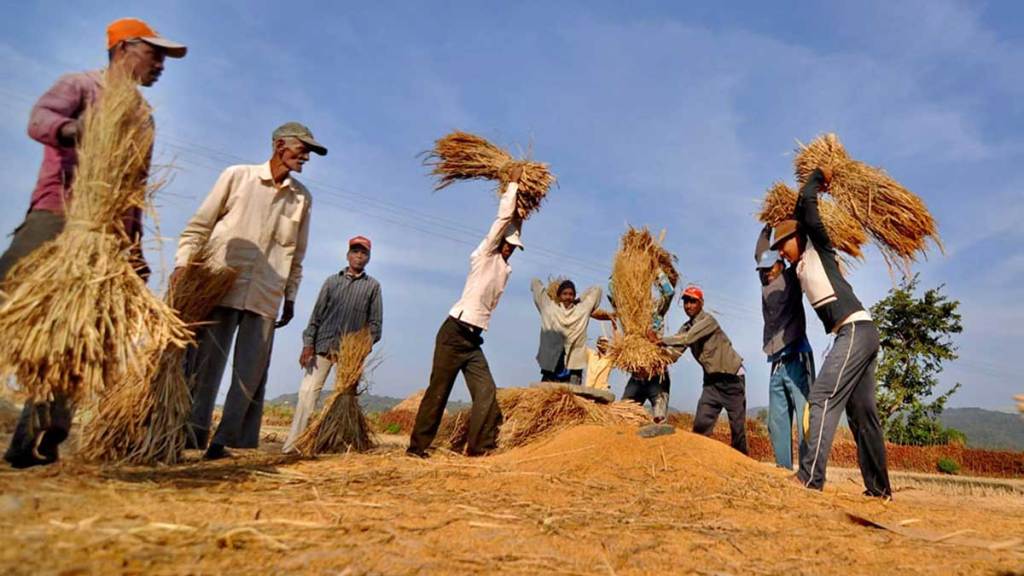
[287, 231]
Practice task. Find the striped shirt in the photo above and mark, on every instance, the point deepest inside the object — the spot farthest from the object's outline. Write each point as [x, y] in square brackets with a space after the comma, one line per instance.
[346, 304]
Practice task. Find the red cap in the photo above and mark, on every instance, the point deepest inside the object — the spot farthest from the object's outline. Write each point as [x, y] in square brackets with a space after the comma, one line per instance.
[360, 241]
[693, 292]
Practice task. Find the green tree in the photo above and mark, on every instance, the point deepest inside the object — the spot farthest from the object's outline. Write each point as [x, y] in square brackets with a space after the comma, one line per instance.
[917, 338]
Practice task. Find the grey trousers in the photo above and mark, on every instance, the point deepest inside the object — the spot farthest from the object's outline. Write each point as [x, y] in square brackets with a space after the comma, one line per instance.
[457, 349]
[243, 408]
[847, 381]
[653, 390]
[53, 417]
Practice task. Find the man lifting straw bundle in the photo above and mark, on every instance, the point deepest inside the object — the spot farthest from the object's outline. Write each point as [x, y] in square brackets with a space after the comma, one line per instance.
[77, 316]
[457, 348]
[641, 265]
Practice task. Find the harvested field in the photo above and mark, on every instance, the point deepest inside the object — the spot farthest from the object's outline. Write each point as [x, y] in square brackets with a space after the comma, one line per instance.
[588, 500]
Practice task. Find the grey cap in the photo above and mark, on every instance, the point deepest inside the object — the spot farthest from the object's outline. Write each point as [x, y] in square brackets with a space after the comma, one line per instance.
[296, 130]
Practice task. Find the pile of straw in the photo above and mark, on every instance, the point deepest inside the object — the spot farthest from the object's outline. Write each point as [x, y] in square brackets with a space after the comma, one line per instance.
[846, 233]
[143, 419]
[896, 219]
[530, 414]
[634, 274]
[464, 156]
[77, 317]
[341, 425]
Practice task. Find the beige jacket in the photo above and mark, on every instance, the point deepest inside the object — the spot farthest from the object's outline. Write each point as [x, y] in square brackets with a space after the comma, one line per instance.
[257, 227]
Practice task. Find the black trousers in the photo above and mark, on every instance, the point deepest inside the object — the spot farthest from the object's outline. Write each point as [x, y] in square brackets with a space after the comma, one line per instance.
[51, 419]
[847, 383]
[654, 390]
[457, 349]
[728, 392]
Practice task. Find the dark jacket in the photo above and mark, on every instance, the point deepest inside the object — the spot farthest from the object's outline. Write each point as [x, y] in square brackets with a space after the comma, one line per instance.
[818, 269]
[710, 346]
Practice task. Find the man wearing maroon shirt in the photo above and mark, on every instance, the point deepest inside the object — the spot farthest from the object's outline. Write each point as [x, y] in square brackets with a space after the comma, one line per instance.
[56, 122]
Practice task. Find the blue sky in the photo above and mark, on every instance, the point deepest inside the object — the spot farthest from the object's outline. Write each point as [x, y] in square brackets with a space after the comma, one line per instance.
[667, 114]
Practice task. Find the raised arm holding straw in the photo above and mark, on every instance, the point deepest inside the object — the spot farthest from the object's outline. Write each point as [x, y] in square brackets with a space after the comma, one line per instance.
[847, 376]
[457, 347]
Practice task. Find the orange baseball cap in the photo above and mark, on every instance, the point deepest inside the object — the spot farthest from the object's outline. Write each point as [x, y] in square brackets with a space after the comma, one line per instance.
[693, 292]
[134, 29]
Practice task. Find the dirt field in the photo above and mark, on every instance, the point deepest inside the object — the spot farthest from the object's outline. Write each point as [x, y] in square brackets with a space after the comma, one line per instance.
[589, 500]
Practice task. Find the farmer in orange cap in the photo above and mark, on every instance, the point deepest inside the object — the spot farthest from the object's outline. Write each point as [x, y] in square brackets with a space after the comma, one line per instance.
[349, 301]
[724, 378]
[56, 123]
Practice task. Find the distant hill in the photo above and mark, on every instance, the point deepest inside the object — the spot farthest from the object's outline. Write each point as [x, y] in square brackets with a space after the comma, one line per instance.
[370, 402]
[986, 428]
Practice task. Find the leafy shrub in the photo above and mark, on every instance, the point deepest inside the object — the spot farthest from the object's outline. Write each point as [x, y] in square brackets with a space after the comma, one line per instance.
[948, 466]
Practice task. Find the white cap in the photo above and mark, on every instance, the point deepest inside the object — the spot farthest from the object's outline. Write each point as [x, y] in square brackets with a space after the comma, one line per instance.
[512, 237]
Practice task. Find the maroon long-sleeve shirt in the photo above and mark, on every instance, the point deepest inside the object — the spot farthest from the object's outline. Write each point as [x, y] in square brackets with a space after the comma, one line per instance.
[65, 102]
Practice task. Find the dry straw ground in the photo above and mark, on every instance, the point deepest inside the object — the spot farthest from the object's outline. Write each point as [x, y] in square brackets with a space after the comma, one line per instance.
[589, 500]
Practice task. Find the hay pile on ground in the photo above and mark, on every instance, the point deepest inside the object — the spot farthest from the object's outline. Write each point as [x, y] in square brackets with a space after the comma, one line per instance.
[77, 317]
[530, 414]
[340, 425]
[895, 218]
[847, 234]
[142, 420]
[634, 273]
[464, 156]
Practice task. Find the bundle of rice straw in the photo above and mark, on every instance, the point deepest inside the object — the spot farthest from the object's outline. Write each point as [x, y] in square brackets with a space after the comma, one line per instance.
[634, 274]
[464, 156]
[846, 233]
[341, 425]
[896, 219]
[530, 414]
[77, 317]
[143, 419]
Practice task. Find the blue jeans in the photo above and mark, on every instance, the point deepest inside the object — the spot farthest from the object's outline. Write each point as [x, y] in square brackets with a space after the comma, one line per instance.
[787, 396]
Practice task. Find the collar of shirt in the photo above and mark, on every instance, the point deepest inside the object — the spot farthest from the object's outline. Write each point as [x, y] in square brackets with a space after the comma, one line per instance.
[346, 273]
[266, 174]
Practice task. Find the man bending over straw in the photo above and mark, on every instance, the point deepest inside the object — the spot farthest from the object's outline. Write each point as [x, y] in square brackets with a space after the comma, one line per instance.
[56, 123]
[847, 376]
[349, 301]
[457, 347]
[257, 219]
[724, 378]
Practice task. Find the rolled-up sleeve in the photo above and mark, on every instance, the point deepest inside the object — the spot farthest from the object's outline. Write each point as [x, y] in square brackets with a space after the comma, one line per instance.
[61, 104]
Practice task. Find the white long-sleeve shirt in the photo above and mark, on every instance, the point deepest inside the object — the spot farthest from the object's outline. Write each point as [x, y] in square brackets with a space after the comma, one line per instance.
[488, 271]
[258, 228]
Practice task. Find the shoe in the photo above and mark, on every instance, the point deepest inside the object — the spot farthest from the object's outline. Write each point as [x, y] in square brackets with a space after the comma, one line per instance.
[885, 496]
[216, 452]
[423, 454]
